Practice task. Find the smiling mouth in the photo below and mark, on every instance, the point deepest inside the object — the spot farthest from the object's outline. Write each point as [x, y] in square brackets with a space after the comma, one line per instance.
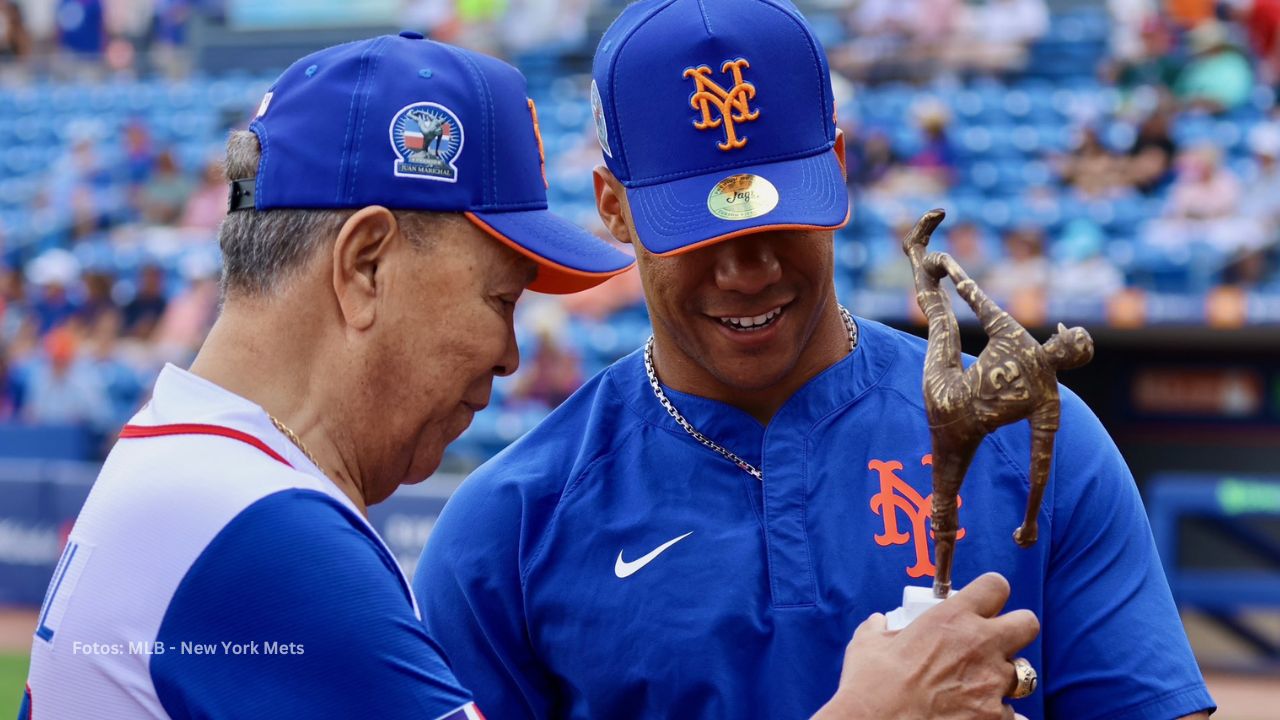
[752, 323]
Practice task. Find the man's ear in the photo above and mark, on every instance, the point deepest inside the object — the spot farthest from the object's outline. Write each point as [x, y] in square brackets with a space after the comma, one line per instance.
[840, 156]
[362, 245]
[610, 198]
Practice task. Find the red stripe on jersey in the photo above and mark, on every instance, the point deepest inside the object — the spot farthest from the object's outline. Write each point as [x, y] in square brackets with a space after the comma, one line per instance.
[150, 431]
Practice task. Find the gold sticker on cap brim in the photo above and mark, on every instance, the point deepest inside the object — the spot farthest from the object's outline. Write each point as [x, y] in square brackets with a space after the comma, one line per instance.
[742, 197]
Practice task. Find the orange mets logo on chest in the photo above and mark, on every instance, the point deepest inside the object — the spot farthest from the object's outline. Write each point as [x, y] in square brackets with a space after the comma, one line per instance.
[895, 496]
[733, 105]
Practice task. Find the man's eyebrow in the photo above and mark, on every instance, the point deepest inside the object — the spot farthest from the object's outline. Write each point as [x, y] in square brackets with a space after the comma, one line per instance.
[532, 273]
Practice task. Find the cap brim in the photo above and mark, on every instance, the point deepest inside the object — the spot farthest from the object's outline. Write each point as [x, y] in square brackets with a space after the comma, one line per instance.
[569, 258]
[675, 217]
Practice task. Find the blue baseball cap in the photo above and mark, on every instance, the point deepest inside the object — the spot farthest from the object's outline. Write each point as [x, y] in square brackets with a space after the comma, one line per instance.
[413, 124]
[717, 117]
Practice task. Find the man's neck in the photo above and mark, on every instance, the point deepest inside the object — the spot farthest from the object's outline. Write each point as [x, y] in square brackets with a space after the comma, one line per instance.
[828, 344]
[258, 354]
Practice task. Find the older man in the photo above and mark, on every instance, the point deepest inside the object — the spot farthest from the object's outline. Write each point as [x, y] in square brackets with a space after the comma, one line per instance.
[696, 532]
[223, 565]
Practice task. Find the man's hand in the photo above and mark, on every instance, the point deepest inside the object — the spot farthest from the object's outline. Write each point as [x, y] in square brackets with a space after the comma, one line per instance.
[953, 662]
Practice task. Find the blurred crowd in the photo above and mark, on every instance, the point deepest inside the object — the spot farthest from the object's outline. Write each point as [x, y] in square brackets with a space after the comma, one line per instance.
[1101, 152]
[121, 277]
[1083, 152]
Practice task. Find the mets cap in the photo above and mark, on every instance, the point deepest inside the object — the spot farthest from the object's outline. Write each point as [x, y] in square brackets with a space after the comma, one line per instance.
[413, 124]
[717, 117]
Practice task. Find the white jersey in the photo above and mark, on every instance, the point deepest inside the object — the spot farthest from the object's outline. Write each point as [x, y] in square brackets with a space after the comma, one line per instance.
[214, 571]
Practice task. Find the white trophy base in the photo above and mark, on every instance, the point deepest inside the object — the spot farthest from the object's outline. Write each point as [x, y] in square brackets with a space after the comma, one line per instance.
[915, 601]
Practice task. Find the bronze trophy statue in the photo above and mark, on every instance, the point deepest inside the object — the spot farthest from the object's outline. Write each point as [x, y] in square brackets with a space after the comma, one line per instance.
[1014, 378]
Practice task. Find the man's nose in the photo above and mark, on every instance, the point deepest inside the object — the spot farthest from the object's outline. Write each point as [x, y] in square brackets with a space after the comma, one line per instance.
[747, 265]
[510, 359]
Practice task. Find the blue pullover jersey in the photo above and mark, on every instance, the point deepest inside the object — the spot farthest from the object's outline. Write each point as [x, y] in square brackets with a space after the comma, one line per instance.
[607, 565]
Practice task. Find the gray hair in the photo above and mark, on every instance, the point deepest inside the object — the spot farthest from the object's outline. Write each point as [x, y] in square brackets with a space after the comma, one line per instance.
[261, 249]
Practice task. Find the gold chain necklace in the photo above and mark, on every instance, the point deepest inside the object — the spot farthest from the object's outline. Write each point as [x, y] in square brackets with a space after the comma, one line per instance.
[293, 438]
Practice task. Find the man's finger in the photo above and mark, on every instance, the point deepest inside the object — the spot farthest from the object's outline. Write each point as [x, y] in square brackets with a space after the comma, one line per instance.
[1015, 630]
[985, 596]
[1009, 714]
[874, 624]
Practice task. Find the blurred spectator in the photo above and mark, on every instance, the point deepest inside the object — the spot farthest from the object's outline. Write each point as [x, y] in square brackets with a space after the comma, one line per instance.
[1203, 188]
[1191, 13]
[1150, 162]
[80, 27]
[10, 392]
[144, 311]
[98, 301]
[1091, 168]
[13, 304]
[15, 42]
[1081, 269]
[1261, 19]
[1203, 208]
[934, 165]
[1156, 64]
[171, 20]
[163, 197]
[1218, 78]
[207, 205]
[122, 385]
[994, 34]
[885, 267]
[139, 155]
[554, 371]
[896, 39]
[191, 312]
[964, 243]
[77, 172]
[86, 223]
[1129, 19]
[1261, 197]
[1254, 270]
[1024, 267]
[930, 171]
[54, 274]
[169, 35]
[870, 158]
[62, 390]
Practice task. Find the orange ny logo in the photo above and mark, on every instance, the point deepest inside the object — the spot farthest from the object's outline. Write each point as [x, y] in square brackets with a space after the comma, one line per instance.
[896, 495]
[734, 104]
[537, 131]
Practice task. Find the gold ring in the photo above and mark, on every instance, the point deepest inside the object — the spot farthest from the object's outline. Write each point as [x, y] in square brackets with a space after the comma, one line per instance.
[1024, 679]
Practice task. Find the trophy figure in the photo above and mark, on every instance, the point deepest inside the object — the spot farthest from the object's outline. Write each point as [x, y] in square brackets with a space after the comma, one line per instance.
[1013, 378]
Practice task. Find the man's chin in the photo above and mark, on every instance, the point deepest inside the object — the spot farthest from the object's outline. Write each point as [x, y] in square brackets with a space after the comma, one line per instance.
[749, 376]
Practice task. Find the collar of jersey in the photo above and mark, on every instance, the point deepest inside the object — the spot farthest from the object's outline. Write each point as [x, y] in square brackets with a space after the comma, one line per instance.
[182, 397]
[828, 391]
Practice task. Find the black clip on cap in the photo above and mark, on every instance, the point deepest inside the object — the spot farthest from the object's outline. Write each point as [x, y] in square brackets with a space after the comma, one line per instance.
[241, 195]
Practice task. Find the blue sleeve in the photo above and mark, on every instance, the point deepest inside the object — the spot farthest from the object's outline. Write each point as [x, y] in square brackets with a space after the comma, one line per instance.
[470, 586]
[299, 570]
[1114, 645]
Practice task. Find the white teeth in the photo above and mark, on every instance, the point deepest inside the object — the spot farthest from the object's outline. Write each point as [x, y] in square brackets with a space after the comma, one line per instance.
[747, 323]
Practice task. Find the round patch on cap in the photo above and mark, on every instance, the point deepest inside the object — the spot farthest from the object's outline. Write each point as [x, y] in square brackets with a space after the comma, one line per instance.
[427, 138]
[602, 127]
[742, 197]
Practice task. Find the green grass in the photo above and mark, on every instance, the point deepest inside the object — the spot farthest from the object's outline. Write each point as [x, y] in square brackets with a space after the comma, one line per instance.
[13, 680]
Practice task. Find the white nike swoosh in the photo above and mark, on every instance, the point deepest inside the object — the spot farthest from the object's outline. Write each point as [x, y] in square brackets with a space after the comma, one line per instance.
[624, 569]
